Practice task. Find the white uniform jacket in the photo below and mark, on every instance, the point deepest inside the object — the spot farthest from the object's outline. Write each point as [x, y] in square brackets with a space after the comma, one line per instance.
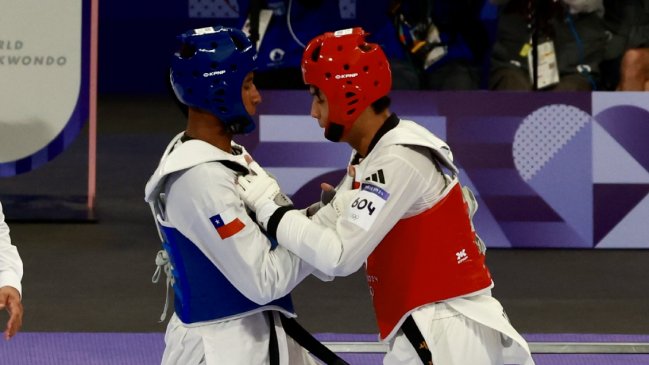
[11, 266]
[401, 164]
[191, 184]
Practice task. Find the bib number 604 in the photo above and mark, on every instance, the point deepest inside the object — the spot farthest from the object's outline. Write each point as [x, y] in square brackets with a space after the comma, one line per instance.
[361, 204]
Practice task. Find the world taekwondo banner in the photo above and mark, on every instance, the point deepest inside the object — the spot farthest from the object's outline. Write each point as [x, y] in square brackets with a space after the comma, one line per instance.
[44, 87]
[565, 170]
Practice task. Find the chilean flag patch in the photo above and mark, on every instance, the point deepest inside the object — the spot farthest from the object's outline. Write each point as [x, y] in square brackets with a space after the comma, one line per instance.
[227, 223]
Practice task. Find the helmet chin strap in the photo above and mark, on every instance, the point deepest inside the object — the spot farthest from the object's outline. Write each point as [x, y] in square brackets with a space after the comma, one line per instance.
[239, 124]
[334, 132]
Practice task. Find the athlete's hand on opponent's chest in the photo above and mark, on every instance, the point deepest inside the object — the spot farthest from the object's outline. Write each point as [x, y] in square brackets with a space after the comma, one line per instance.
[261, 192]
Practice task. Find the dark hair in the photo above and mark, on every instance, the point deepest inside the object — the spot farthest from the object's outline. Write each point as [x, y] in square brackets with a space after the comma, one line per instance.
[381, 104]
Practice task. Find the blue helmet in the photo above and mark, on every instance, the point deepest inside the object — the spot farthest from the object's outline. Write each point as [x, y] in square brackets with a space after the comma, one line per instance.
[208, 70]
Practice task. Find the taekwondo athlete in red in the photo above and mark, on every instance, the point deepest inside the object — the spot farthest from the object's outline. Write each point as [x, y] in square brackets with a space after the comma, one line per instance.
[404, 214]
[231, 283]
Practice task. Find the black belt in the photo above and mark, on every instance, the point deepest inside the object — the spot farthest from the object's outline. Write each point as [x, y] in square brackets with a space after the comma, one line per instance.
[303, 338]
[273, 346]
[410, 329]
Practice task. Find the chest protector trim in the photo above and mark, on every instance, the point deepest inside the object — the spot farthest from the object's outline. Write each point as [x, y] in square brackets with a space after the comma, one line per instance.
[427, 258]
[201, 291]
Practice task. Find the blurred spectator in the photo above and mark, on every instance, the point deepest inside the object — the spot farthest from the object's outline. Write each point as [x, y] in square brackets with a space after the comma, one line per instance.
[444, 44]
[281, 36]
[571, 39]
[291, 25]
[627, 53]
[440, 45]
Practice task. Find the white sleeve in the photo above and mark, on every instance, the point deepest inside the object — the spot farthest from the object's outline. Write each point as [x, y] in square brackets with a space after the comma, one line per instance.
[11, 266]
[342, 250]
[245, 258]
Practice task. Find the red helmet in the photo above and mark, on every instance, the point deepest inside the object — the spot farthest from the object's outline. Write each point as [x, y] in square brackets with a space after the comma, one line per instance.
[350, 72]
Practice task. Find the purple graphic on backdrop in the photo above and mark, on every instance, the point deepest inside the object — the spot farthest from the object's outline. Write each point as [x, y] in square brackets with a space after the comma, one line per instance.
[512, 212]
[538, 163]
[621, 190]
[552, 152]
[629, 125]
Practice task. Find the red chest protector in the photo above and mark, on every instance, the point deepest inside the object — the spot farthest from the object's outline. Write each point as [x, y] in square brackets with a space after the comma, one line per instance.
[425, 259]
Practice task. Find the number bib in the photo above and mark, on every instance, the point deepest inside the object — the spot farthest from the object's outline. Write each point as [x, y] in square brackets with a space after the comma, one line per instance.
[366, 207]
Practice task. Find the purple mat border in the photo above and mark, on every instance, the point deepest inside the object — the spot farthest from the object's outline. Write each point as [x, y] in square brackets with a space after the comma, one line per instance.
[100, 348]
[531, 337]
[584, 337]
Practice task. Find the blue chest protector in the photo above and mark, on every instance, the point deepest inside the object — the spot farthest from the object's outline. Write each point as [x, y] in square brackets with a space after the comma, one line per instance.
[201, 291]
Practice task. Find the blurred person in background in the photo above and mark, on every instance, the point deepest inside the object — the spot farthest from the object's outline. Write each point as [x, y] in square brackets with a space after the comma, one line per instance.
[627, 53]
[444, 44]
[11, 273]
[437, 45]
[570, 37]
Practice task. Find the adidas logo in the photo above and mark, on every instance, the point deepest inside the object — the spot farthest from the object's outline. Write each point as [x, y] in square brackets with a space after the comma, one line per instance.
[376, 177]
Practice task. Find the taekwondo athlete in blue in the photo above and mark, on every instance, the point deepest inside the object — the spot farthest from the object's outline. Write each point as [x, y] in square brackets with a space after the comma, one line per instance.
[231, 284]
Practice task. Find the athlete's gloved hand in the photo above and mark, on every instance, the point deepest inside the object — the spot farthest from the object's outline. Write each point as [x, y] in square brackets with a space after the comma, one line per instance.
[261, 193]
[329, 192]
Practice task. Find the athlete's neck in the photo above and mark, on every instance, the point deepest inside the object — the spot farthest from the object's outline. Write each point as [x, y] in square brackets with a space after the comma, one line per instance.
[364, 129]
[207, 127]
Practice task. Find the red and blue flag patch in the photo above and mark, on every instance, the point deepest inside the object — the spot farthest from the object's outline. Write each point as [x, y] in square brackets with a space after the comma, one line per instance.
[227, 224]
